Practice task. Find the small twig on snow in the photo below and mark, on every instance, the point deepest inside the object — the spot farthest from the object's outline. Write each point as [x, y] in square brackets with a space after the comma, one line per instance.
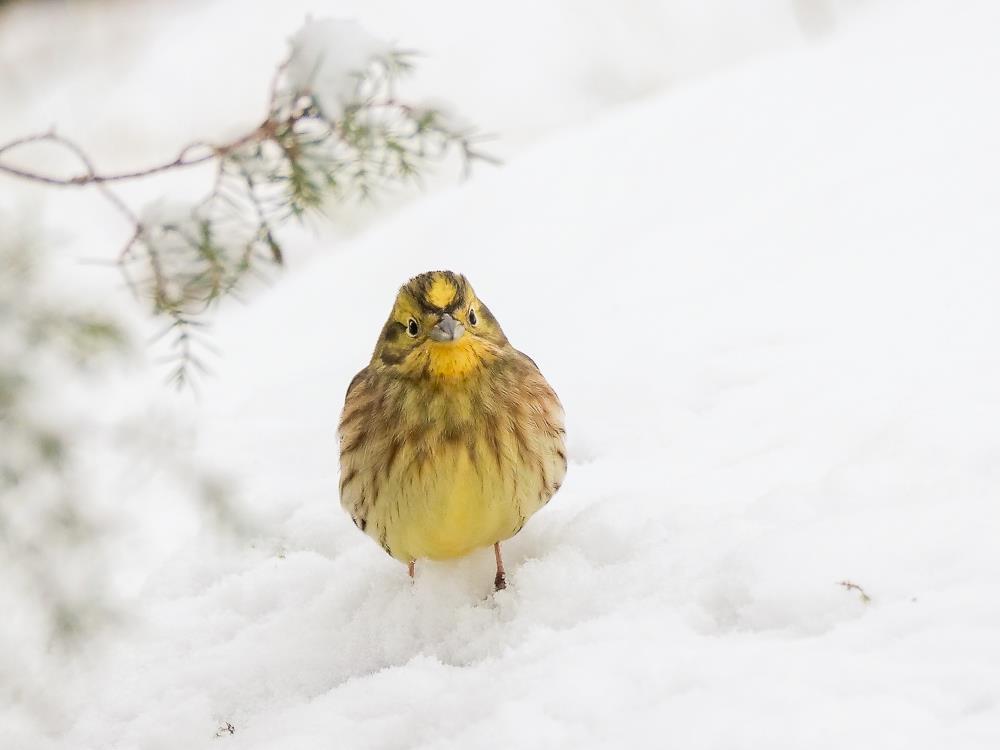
[849, 586]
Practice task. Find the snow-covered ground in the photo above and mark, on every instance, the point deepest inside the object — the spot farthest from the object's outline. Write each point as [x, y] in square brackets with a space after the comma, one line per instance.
[768, 301]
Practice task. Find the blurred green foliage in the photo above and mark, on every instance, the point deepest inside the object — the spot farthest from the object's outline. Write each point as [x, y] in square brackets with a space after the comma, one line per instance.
[45, 344]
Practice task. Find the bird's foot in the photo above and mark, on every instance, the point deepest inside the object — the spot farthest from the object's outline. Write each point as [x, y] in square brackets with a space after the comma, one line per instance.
[500, 582]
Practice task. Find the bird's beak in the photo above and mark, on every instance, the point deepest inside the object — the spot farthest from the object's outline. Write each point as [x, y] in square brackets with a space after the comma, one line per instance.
[447, 329]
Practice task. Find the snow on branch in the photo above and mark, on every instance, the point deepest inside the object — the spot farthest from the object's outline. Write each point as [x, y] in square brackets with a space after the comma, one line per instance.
[336, 129]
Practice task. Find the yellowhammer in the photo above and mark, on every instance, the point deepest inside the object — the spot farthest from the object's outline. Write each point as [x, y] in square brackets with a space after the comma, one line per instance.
[450, 438]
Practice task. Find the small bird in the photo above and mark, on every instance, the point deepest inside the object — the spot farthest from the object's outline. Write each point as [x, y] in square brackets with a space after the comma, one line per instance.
[450, 438]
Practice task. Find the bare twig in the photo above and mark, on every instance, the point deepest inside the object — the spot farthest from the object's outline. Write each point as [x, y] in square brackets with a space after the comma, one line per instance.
[93, 177]
[90, 176]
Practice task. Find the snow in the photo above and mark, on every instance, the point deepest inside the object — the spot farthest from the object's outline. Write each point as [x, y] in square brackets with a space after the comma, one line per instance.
[767, 300]
[328, 59]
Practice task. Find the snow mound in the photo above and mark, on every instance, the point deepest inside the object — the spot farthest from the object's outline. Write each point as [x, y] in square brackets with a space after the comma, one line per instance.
[327, 59]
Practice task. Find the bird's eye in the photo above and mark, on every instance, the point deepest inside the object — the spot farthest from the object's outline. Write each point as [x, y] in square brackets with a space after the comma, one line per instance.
[412, 328]
[472, 317]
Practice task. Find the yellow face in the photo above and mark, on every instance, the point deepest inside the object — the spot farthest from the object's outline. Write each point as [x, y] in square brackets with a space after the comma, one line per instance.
[438, 329]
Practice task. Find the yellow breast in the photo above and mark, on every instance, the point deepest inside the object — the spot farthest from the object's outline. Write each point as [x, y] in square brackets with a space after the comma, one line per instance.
[449, 507]
[438, 471]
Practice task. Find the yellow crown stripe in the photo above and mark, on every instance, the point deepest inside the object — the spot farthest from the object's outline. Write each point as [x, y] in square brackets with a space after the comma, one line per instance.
[442, 291]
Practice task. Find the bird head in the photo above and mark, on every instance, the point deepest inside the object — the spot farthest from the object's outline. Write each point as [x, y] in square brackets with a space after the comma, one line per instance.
[438, 328]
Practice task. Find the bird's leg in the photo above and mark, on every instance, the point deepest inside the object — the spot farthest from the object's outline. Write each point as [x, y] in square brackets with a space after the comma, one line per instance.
[500, 582]
[410, 566]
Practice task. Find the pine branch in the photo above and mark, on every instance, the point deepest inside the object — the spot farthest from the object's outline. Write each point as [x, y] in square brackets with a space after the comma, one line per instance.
[289, 165]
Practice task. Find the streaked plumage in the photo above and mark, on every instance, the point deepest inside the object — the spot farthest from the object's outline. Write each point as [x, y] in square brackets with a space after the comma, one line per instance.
[450, 438]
